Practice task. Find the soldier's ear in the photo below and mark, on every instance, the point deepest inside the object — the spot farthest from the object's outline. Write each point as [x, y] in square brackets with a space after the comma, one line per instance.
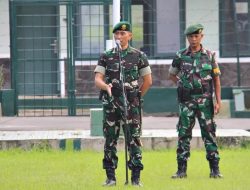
[130, 35]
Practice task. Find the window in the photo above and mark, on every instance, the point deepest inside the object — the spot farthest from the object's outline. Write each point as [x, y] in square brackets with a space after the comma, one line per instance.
[90, 30]
[156, 27]
[235, 28]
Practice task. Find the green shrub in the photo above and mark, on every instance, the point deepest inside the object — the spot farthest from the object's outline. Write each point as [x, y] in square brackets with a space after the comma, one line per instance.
[245, 144]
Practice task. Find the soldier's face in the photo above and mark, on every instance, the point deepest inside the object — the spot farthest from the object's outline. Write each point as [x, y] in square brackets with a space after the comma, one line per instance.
[195, 39]
[123, 36]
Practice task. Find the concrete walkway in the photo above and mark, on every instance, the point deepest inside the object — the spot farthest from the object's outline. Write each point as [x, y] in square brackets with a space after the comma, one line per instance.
[83, 123]
[158, 132]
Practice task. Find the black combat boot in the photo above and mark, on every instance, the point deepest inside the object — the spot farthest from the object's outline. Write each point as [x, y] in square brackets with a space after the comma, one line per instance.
[214, 169]
[111, 180]
[135, 177]
[182, 170]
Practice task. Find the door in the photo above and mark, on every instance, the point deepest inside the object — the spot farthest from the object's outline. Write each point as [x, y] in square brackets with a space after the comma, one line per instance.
[37, 52]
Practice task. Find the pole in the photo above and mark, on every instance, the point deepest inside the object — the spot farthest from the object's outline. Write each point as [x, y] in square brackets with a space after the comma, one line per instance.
[126, 130]
[116, 19]
[116, 11]
[237, 43]
[116, 14]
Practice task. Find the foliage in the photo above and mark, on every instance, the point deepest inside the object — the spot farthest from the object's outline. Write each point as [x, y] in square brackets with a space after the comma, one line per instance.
[245, 144]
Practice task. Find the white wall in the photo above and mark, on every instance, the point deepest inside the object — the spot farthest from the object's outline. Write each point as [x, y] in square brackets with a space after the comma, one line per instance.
[4, 29]
[206, 13]
[167, 17]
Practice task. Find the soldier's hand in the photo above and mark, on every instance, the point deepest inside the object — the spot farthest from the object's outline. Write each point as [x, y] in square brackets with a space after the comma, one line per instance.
[108, 89]
[216, 108]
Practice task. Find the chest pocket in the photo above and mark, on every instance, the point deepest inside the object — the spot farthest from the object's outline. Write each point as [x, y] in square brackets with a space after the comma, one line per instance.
[206, 71]
[112, 71]
[131, 72]
[186, 68]
[186, 65]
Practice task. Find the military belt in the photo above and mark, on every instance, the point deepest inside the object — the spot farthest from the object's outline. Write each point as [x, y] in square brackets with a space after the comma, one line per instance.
[196, 91]
[186, 94]
[200, 91]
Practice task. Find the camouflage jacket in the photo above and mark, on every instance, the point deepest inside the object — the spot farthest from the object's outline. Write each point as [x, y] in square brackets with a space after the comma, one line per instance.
[195, 70]
[134, 62]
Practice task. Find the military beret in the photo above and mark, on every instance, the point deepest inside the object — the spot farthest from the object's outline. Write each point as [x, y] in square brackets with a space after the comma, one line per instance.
[123, 25]
[194, 29]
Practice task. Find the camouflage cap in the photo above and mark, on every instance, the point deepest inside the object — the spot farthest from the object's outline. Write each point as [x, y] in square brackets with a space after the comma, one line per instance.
[123, 25]
[194, 29]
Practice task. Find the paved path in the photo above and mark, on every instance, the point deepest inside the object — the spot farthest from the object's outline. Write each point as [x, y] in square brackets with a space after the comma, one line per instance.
[83, 123]
[158, 132]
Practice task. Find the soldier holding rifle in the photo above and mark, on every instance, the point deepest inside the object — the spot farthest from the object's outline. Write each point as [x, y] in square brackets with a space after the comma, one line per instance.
[134, 64]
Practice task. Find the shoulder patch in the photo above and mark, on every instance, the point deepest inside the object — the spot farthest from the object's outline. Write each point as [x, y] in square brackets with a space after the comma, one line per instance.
[216, 71]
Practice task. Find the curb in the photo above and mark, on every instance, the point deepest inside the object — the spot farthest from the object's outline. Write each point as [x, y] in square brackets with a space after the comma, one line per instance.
[81, 140]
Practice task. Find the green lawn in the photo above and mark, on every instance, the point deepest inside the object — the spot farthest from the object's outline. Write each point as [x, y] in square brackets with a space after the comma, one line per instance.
[49, 169]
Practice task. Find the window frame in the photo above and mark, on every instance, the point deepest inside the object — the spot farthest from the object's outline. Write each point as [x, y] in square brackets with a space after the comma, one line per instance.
[149, 24]
[223, 39]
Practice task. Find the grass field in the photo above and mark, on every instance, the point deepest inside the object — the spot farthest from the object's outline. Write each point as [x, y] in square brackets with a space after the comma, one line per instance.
[51, 169]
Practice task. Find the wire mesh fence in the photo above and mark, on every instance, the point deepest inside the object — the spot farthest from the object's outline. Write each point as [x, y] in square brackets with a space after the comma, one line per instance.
[55, 45]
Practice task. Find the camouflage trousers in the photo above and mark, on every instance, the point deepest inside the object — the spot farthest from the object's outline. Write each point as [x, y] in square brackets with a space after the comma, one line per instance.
[202, 109]
[113, 120]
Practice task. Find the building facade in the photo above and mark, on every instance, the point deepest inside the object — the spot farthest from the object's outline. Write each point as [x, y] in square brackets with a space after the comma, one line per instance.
[50, 48]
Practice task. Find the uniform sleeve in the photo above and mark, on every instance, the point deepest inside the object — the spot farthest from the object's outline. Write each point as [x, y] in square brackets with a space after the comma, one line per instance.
[145, 71]
[215, 65]
[143, 66]
[175, 66]
[101, 65]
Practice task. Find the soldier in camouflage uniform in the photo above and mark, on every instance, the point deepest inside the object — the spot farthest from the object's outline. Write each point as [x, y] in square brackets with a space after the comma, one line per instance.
[196, 72]
[107, 78]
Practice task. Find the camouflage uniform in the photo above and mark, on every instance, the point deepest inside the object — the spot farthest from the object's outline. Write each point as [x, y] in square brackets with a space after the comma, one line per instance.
[195, 89]
[135, 64]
